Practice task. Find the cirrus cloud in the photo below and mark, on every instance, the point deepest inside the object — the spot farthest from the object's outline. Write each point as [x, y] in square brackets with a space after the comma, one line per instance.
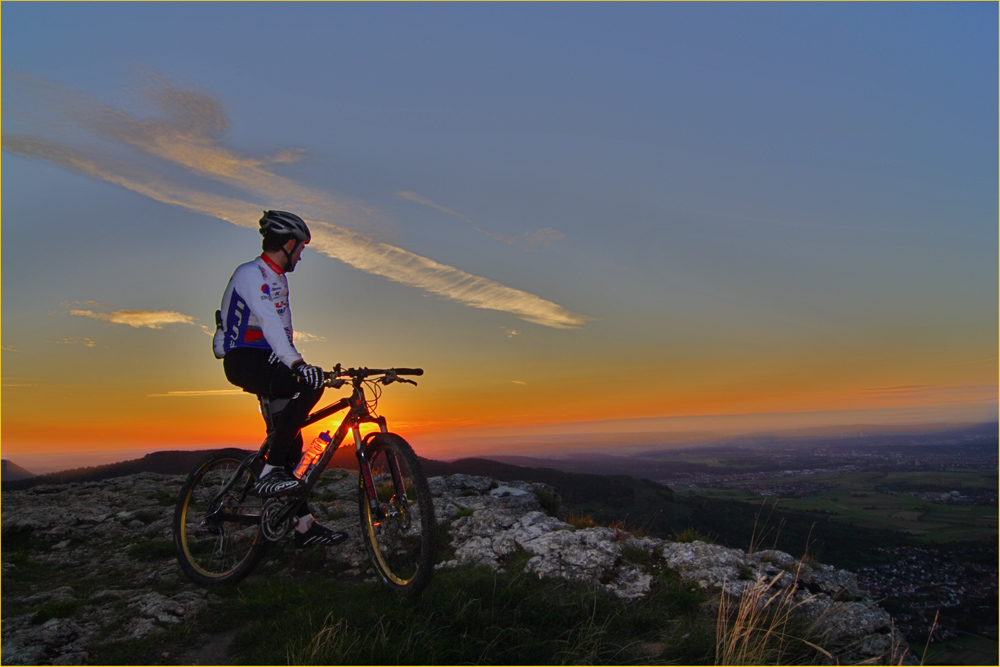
[138, 155]
[140, 319]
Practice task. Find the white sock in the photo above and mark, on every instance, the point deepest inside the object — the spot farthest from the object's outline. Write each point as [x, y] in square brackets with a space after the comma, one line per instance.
[266, 469]
[305, 523]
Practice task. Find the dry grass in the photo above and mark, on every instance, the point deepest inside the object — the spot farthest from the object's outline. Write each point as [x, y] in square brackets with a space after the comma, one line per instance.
[580, 521]
[757, 628]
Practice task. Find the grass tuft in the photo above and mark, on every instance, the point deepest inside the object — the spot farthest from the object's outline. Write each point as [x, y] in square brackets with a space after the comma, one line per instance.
[758, 628]
[689, 535]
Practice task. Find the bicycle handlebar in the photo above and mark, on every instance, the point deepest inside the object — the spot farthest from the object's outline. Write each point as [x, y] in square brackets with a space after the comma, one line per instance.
[337, 376]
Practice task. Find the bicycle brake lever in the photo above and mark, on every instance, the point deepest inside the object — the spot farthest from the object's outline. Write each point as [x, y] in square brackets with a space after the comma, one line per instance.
[330, 378]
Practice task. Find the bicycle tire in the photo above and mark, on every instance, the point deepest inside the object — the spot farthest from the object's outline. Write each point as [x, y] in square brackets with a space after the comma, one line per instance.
[402, 544]
[221, 550]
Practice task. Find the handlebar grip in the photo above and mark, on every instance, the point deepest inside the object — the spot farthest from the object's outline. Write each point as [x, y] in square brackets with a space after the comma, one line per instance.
[409, 371]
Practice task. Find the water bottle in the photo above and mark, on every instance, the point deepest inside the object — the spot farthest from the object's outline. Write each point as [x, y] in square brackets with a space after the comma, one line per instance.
[311, 455]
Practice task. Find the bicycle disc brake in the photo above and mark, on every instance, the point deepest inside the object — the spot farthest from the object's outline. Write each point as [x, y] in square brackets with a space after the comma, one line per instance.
[275, 520]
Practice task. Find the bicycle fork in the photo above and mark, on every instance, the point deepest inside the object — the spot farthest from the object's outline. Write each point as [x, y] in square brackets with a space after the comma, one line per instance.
[367, 480]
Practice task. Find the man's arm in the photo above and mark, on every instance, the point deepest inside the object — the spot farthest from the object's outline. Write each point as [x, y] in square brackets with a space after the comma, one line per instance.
[258, 297]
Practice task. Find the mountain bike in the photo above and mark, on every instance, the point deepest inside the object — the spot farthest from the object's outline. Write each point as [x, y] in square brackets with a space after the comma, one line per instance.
[221, 529]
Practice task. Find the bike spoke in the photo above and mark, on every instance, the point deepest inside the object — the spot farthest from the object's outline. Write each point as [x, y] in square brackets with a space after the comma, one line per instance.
[217, 523]
[400, 530]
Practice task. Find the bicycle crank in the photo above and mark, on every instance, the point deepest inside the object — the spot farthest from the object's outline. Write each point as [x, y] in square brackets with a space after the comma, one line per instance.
[276, 519]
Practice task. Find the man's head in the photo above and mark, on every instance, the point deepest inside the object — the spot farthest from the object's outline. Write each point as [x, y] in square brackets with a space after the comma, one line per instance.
[284, 232]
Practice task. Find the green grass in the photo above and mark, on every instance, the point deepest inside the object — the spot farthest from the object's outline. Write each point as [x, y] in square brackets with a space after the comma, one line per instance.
[469, 615]
[160, 649]
[152, 550]
[879, 500]
[56, 609]
[962, 650]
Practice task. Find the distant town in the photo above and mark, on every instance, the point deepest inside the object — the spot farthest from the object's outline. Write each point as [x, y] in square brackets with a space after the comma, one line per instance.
[937, 588]
[802, 460]
[948, 588]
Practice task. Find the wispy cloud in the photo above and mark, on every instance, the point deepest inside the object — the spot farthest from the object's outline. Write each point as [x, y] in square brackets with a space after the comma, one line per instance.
[9, 348]
[531, 240]
[140, 319]
[897, 391]
[188, 135]
[933, 393]
[85, 342]
[414, 197]
[304, 337]
[528, 241]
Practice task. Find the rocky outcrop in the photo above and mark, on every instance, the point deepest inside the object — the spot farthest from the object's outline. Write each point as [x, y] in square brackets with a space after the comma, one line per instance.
[498, 520]
[111, 544]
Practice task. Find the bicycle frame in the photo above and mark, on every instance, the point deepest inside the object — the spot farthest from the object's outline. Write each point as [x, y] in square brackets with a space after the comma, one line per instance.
[357, 414]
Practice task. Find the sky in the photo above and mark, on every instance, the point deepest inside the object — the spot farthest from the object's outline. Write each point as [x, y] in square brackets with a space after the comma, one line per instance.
[593, 225]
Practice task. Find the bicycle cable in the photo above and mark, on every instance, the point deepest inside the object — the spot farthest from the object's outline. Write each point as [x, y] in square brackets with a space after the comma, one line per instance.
[376, 394]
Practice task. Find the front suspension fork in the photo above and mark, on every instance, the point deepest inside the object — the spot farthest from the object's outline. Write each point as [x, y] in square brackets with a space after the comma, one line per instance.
[365, 478]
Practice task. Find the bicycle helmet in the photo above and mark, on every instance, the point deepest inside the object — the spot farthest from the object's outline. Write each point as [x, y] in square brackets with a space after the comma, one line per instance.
[282, 223]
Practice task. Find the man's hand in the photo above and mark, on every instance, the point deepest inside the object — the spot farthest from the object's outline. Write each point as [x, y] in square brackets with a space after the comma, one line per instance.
[311, 375]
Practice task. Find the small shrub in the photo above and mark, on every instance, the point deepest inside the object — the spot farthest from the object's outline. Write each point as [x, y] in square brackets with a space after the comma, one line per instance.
[325, 496]
[56, 609]
[446, 550]
[682, 597]
[165, 498]
[691, 535]
[158, 549]
[811, 561]
[578, 521]
[637, 555]
[148, 516]
[18, 539]
[548, 500]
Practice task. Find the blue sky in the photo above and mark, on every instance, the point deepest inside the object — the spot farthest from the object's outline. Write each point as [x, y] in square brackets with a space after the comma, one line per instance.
[664, 210]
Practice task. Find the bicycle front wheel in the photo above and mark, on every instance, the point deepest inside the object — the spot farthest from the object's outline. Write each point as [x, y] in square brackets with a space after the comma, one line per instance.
[217, 533]
[400, 532]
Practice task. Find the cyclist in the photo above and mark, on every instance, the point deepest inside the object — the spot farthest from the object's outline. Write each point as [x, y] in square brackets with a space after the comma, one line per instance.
[254, 339]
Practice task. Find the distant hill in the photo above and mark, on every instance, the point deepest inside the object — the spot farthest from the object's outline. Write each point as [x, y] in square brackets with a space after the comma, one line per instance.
[167, 463]
[12, 472]
[631, 500]
[575, 488]
[758, 453]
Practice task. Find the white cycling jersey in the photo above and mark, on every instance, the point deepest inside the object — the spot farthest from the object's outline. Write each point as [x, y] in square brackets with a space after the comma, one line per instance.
[255, 312]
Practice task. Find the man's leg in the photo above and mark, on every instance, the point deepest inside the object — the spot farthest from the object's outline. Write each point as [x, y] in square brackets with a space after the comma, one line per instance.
[285, 440]
[252, 370]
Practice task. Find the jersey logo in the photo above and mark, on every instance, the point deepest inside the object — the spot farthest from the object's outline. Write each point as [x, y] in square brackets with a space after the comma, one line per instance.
[265, 289]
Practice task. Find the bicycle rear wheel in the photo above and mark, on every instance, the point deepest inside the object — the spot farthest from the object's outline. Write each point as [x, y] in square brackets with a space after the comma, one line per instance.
[217, 533]
[400, 534]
